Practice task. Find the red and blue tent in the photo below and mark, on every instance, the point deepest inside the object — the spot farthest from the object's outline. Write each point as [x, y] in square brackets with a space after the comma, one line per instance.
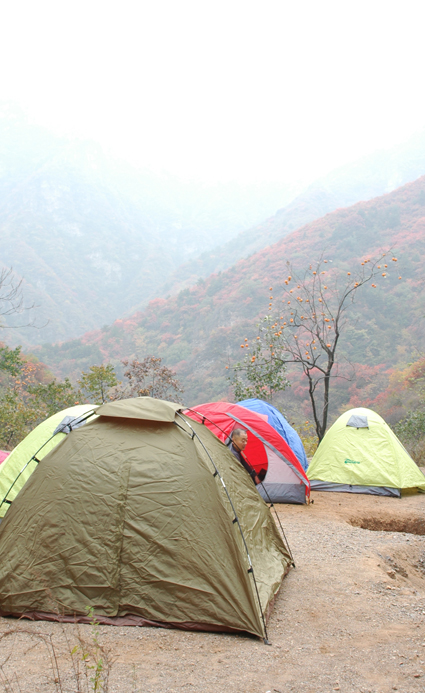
[278, 421]
[285, 480]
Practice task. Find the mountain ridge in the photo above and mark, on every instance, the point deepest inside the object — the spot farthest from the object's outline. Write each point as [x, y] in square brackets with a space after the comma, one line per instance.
[79, 226]
[93, 240]
[369, 177]
[198, 331]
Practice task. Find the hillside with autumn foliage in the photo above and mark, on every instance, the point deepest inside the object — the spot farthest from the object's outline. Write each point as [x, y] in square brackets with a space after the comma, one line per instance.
[93, 239]
[199, 331]
[376, 174]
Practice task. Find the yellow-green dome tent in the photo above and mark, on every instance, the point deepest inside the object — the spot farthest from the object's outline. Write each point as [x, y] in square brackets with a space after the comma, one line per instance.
[361, 454]
[22, 461]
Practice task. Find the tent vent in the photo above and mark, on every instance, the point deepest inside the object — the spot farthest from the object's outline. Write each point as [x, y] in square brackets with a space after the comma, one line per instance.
[68, 424]
[357, 421]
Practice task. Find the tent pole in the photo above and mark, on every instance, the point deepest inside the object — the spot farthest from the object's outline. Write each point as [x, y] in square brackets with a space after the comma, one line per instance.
[205, 418]
[34, 457]
[236, 519]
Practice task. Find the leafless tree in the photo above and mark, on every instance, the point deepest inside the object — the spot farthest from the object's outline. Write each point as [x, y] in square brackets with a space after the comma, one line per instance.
[11, 297]
[306, 331]
[148, 378]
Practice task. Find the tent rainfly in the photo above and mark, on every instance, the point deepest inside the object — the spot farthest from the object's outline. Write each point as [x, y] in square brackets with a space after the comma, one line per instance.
[144, 516]
[280, 424]
[285, 480]
[361, 454]
[23, 460]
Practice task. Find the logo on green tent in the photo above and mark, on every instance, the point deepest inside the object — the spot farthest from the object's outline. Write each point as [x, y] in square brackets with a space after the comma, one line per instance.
[351, 462]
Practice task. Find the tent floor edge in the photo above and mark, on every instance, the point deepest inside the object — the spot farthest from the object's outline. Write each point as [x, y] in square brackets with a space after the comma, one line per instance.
[127, 620]
[318, 485]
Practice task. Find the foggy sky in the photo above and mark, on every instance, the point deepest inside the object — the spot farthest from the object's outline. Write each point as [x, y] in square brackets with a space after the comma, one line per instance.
[265, 90]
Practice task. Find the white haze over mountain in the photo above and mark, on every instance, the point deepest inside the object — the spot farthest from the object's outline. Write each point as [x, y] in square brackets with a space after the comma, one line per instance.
[95, 239]
[155, 133]
[82, 228]
[223, 90]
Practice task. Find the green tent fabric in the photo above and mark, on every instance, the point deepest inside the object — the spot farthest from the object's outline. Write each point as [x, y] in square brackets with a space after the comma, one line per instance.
[23, 453]
[128, 516]
[146, 408]
[361, 454]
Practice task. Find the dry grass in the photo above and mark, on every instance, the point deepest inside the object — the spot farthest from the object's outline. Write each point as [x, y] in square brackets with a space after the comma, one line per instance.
[77, 664]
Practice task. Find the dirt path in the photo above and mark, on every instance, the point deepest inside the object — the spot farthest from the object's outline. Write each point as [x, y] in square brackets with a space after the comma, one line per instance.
[349, 618]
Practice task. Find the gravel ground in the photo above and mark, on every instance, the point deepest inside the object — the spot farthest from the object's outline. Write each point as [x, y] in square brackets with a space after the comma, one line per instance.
[349, 618]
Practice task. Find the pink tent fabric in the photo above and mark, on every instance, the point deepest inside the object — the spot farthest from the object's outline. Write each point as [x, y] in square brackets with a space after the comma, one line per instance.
[3, 455]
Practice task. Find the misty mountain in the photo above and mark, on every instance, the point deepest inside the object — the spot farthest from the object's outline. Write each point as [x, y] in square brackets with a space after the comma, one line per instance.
[367, 178]
[92, 237]
[198, 331]
[95, 239]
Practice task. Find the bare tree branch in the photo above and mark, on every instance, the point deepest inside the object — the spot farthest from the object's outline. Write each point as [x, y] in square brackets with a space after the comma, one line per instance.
[316, 305]
[148, 378]
[12, 299]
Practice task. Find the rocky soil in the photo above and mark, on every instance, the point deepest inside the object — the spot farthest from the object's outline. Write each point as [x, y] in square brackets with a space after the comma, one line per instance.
[349, 618]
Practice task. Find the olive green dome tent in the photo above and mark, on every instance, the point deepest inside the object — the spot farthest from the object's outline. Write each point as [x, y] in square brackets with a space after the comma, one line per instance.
[361, 454]
[22, 461]
[145, 517]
